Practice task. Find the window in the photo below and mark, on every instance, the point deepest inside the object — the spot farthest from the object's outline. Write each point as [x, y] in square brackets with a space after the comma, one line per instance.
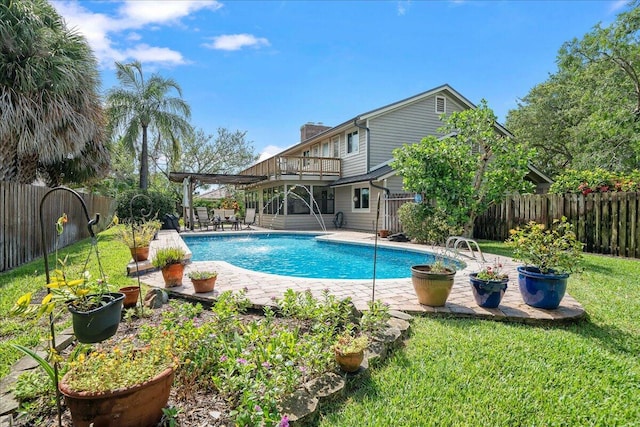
[272, 200]
[324, 200]
[441, 104]
[361, 198]
[353, 143]
[326, 149]
[298, 200]
[336, 146]
[251, 200]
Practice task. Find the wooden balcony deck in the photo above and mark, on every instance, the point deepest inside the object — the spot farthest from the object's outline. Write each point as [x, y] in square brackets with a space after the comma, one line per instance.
[278, 166]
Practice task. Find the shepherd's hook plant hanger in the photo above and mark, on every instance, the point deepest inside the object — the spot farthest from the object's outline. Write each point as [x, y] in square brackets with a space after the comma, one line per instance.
[144, 214]
[43, 233]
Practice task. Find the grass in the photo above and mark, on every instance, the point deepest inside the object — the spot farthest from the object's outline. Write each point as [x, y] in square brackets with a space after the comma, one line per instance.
[472, 372]
[465, 371]
[31, 278]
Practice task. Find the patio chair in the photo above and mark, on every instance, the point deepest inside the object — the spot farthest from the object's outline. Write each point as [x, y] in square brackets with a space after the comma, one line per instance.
[249, 218]
[203, 217]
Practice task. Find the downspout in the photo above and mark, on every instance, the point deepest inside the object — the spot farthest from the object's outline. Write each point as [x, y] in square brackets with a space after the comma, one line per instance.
[355, 122]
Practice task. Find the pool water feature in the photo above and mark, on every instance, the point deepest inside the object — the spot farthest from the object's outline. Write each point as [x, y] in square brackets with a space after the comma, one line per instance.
[302, 255]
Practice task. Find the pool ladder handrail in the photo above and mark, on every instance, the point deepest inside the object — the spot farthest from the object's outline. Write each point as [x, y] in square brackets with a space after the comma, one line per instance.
[453, 243]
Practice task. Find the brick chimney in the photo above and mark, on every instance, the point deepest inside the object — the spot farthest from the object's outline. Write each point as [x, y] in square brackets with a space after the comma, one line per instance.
[310, 129]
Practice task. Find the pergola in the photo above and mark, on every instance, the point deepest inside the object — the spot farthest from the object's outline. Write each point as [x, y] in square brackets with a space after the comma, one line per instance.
[189, 179]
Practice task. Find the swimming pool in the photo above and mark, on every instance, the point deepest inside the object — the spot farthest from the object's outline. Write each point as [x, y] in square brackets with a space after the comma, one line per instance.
[302, 255]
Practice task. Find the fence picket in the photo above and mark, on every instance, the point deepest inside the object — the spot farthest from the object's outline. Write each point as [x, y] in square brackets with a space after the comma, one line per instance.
[20, 229]
[608, 223]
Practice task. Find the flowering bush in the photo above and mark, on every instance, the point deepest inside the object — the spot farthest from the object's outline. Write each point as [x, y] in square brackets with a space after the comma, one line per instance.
[493, 272]
[551, 250]
[124, 366]
[595, 181]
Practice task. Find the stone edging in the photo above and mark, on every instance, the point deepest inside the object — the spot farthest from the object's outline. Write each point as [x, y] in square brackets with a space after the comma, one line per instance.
[302, 407]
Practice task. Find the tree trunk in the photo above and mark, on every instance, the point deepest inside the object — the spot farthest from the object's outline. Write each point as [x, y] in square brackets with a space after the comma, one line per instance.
[467, 230]
[144, 160]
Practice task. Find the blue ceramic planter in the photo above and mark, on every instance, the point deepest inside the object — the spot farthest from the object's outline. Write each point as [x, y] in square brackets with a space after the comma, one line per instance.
[541, 290]
[488, 293]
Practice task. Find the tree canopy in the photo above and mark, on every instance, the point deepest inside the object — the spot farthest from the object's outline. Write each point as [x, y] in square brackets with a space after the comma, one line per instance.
[587, 114]
[142, 105]
[468, 170]
[51, 119]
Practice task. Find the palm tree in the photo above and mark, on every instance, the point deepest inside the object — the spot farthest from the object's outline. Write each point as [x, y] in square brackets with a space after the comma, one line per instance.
[140, 104]
[51, 119]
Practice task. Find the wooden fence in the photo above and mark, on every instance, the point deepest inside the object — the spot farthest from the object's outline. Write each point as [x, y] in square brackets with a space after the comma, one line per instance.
[607, 223]
[393, 203]
[20, 231]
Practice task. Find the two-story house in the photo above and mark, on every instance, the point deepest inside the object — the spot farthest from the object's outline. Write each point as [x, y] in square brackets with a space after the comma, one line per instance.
[341, 168]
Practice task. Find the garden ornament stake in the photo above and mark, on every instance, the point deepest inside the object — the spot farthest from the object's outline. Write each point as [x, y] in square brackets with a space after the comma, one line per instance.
[375, 241]
[43, 233]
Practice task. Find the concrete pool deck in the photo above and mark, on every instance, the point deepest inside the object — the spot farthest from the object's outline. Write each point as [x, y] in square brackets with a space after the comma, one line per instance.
[261, 288]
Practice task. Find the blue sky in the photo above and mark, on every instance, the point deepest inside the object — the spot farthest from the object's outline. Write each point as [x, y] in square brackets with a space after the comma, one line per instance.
[267, 67]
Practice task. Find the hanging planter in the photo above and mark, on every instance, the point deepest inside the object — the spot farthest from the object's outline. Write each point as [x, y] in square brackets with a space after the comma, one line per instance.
[99, 323]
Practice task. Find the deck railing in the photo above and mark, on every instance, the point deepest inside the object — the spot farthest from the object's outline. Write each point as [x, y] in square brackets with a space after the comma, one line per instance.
[277, 166]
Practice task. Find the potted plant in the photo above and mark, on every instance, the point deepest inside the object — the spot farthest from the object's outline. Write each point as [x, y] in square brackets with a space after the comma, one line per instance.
[138, 237]
[549, 255]
[171, 261]
[127, 386]
[489, 285]
[349, 351]
[131, 295]
[433, 282]
[203, 281]
[384, 233]
[94, 309]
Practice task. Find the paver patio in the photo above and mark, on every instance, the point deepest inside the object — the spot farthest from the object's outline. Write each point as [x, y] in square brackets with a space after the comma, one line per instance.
[261, 288]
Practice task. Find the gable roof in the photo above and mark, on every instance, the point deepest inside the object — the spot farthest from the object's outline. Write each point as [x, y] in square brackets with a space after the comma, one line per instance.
[380, 111]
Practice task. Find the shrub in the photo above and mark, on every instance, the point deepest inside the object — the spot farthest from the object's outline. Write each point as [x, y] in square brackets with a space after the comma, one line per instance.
[426, 224]
[595, 181]
[161, 204]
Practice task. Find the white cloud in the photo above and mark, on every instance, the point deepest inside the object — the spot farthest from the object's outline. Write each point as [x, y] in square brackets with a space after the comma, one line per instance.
[139, 13]
[236, 42]
[617, 5]
[403, 6]
[158, 55]
[102, 31]
[269, 151]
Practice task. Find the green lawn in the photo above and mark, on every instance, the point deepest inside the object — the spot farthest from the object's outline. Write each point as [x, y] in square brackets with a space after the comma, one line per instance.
[461, 371]
[31, 278]
[472, 372]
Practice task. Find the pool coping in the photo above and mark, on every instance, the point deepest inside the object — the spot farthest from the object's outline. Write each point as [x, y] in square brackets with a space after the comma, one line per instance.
[263, 288]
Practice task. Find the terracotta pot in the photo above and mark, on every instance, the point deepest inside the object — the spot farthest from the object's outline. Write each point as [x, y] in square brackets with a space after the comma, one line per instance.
[204, 285]
[140, 254]
[431, 288]
[350, 362]
[172, 275]
[131, 295]
[137, 406]
[383, 233]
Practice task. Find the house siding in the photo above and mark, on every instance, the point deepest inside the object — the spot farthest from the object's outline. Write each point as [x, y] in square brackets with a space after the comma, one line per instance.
[406, 125]
[354, 164]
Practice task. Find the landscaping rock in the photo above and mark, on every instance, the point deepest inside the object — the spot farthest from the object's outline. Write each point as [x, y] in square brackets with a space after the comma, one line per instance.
[326, 388]
[401, 324]
[300, 408]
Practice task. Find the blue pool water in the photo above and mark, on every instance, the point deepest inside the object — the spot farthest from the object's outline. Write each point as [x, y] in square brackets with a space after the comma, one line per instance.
[304, 256]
